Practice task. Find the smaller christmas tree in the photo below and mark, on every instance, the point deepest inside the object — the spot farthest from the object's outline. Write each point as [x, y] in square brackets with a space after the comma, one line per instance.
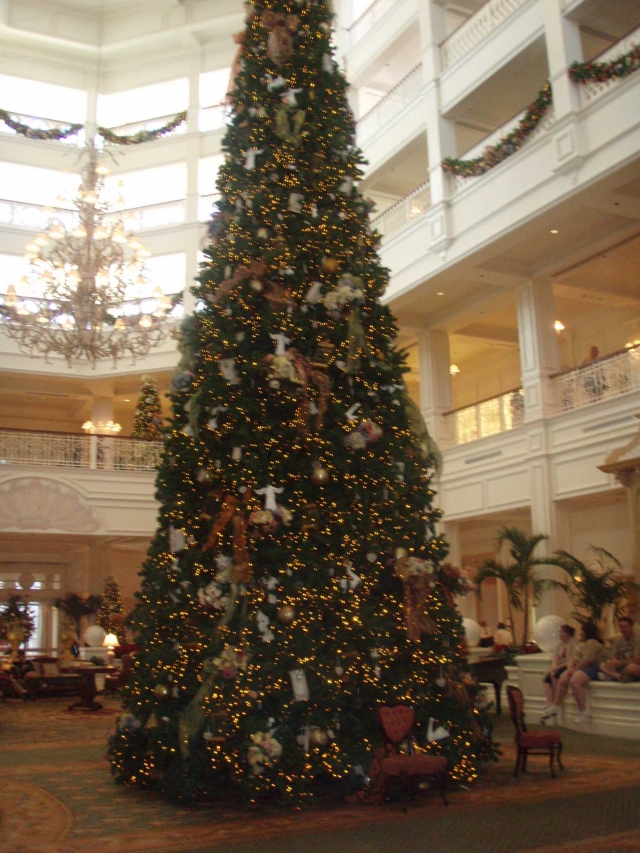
[111, 613]
[147, 421]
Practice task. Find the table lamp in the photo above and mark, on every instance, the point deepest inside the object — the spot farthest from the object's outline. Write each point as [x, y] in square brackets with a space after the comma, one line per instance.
[110, 641]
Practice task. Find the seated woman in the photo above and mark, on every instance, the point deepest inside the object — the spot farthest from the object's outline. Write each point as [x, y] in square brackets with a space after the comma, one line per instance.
[583, 668]
[559, 663]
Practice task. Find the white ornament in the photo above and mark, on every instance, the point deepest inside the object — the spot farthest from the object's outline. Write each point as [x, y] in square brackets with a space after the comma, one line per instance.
[289, 97]
[262, 621]
[274, 83]
[295, 202]
[327, 63]
[250, 157]
[270, 492]
[354, 579]
[177, 540]
[437, 733]
[281, 343]
[351, 412]
[236, 454]
[227, 367]
[372, 556]
[346, 185]
[314, 294]
[299, 685]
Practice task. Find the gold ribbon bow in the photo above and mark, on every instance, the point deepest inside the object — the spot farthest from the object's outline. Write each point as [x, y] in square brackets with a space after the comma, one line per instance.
[233, 512]
[417, 591]
[256, 269]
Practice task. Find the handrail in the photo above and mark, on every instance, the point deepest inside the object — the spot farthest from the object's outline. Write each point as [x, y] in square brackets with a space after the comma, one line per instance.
[484, 400]
[368, 19]
[475, 29]
[74, 434]
[598, 360]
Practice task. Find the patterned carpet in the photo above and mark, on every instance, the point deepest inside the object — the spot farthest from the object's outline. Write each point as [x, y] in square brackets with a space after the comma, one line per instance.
[58, 797]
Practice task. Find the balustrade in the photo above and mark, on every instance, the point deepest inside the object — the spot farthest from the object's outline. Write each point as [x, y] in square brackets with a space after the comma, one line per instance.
[367, 21]
[215, 117]
[590, 92]
[403, 213]
[600, 380]
[476, 29]
[488, 417]
[403, 93]
[68, 450]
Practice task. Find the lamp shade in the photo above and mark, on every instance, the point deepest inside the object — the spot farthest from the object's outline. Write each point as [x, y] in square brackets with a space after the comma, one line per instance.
[110, 641]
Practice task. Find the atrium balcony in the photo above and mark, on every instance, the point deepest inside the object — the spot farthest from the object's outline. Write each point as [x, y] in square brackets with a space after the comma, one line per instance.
[77, 484]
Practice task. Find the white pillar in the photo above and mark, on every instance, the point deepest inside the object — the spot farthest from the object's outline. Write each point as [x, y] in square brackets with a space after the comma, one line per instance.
[538, 347]
[564, 47]
[194, 231]
[435, 383]
[441, 138]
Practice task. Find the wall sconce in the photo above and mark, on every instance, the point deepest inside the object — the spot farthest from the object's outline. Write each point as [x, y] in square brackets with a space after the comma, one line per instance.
[558, 326]
[454, 370]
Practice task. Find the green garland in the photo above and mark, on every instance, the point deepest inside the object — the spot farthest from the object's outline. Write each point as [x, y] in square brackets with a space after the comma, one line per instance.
[51, 133]
[142, 135]
[58, 133]
[600, 72]
[508, 145]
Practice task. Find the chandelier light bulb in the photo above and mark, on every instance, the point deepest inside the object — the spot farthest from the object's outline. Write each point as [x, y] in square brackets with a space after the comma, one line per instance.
[120, 323]
[42, 319]
[118, 234]
[135, 244]
[23, 310]
[100, 233]
[143, 252]
[73, 277]
[145, 322]
[57, 232]
[79, 231]
[157, 293]
[32, 248]
[41, 240]
[90, 197]
[101, 169]
[11, 298]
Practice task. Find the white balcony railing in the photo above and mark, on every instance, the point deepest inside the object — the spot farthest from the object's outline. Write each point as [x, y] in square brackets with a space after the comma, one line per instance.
[68, 450]
[600, 380]
[33, 217]
[213, 118]
[148, 124]
[489, 417]
[40, 123]
[590, 92]
[403, 93]
[367, 20]
[543, 126]
[159, 215]
[476, 29]
[403, 214]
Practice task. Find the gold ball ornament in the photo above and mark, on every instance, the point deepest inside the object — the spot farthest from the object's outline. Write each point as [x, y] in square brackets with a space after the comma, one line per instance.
[320, 476]
[262, 234]
[330, 265]
[319, 737]
[400, 553]
[161, 691]
[286, 614]
[256, 285]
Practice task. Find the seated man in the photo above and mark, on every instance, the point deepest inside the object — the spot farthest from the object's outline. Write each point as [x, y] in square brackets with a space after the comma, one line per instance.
[624, 665]
[17, 672]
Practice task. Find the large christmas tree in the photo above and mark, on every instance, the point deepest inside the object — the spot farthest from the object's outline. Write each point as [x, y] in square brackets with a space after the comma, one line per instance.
[295, 582]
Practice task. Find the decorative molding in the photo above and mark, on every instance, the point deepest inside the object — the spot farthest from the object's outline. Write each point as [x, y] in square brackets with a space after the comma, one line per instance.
[37, 503]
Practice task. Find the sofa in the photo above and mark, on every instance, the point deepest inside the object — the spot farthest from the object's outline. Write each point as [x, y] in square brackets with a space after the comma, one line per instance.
[49, 679]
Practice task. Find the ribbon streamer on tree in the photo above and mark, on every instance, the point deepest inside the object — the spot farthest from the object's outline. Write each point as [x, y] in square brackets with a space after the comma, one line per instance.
[255, 269]
[233, 512]
[417, 591]
[356, 340]
[192, 719]
[307, 372]
[289, 123]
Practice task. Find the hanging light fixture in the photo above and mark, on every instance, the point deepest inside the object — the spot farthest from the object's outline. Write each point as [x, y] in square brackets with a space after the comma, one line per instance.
[95, 300]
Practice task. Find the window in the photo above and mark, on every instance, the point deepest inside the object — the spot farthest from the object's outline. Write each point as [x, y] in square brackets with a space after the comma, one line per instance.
[167, 272]
[213, 86]
[146, 102]
[46, 100]
[12, 268]
[208, 173]
[151, 186]
[34, 185]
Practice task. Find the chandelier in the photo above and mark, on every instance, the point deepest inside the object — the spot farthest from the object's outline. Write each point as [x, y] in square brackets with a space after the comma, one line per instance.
[87, 274]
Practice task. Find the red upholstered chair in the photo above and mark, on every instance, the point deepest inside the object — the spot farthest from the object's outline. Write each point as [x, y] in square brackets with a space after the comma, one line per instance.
[397, 724]
[548, 742]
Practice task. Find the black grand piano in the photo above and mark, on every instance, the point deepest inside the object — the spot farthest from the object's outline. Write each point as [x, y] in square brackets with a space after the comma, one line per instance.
[490, 670]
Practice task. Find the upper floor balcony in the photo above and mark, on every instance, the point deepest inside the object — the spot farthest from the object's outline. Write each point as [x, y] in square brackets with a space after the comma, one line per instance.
[81, 484]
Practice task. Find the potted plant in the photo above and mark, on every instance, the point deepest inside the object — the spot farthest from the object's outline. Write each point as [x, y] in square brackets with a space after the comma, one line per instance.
[75, 607]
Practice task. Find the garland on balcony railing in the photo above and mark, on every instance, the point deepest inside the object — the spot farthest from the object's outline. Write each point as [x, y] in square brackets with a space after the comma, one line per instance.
[58, 133]
[600, 72]
[50, 133]
[505, 147]
[142, 135]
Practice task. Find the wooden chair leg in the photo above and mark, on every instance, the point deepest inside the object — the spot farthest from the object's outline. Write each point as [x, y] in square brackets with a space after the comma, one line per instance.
[558, 754]
[444, 778]
[517, 768]
[525, 755]
[552, 752]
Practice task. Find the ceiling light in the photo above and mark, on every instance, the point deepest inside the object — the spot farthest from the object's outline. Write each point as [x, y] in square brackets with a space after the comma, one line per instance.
[558, 326]
[554, 231]
[454, 370]
[440, 293]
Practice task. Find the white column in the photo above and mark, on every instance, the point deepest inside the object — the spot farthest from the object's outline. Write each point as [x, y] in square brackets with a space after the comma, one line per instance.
[564, 47]
[194, 230]
[435, 383]
[538, 347]
[441, 139]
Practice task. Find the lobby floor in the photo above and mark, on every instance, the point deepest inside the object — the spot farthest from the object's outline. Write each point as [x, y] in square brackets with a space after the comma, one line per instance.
[58, 797]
